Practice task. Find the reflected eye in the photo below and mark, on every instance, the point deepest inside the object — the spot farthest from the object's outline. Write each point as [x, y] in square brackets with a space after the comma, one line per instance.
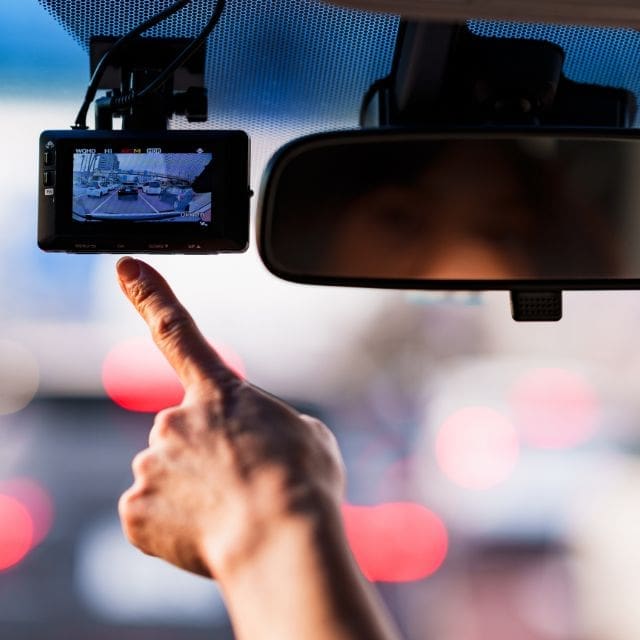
[398, 215]
[398, 219]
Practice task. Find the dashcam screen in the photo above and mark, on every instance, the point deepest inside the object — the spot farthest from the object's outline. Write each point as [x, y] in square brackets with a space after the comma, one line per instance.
[141, 185]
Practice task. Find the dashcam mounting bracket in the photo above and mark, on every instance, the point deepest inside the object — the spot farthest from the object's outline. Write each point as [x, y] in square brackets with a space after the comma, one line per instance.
[443, 74]
[136, 65]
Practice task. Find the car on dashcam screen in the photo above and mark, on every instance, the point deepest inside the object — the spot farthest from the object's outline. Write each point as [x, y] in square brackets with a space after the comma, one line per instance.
[128, 190]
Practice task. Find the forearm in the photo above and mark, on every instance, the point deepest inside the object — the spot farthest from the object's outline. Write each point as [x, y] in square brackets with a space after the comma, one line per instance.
[304, 583]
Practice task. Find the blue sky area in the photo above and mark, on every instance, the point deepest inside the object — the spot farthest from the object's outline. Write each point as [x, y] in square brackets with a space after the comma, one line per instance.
[44, 73]
[37, 54]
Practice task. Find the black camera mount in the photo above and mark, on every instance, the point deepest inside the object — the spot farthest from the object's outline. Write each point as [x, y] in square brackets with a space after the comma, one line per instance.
[134, 67]
[444, 75]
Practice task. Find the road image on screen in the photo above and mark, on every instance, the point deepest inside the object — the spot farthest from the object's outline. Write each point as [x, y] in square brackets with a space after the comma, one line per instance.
[140, 187]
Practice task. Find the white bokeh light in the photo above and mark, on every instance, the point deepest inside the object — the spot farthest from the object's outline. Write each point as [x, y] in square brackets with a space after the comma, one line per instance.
[19, 377]
[120, 584]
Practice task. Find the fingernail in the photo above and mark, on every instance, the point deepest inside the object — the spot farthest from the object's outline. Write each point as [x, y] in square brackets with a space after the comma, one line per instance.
[128, 269]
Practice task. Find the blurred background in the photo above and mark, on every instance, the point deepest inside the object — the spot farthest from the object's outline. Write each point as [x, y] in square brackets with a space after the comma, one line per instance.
[494, 480]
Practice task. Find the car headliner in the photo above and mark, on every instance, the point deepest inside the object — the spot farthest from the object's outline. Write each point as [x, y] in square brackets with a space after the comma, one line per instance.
[612, 12]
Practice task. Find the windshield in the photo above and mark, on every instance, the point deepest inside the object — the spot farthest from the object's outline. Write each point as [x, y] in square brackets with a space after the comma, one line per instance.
[492, 466]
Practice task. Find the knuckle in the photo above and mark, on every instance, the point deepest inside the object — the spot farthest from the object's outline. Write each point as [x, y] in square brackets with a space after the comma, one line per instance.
[133, 517]
[128, 509]
[329, 447]
[124, 505]
[327, 434]
[167, 422]
[171, 323]
[319, 428]
[143, 463]
[141, 293]
[310, 421]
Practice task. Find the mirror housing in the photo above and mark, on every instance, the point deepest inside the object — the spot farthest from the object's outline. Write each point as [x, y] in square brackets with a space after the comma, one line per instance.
[518, 209]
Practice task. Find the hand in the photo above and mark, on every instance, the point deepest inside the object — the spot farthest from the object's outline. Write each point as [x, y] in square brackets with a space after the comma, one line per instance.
[231, 467]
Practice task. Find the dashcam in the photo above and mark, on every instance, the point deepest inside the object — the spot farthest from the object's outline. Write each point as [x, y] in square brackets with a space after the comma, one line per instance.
[146, 192]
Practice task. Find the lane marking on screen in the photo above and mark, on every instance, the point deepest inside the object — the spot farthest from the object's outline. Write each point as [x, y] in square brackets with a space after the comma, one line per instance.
[102, 203]
[145, 200]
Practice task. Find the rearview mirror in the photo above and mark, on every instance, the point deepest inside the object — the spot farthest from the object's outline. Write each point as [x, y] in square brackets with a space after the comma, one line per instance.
[483, 209]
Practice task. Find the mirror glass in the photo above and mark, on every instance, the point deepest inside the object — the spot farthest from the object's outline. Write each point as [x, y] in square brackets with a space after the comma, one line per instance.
[468, 207]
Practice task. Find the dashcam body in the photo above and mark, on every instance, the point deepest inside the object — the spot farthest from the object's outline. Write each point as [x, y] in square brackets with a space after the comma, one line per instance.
[144, 192]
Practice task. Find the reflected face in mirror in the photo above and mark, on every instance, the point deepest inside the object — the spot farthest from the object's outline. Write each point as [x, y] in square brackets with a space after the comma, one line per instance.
[456, 209]
[480, 226]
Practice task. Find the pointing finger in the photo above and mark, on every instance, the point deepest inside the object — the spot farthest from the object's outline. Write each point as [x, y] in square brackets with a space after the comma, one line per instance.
[172, 327]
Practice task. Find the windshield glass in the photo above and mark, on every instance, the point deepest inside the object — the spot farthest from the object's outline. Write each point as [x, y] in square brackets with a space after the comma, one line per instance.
[492, 466]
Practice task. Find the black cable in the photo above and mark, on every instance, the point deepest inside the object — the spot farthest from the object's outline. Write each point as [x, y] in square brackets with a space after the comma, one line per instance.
[81, 118]
[185, 54]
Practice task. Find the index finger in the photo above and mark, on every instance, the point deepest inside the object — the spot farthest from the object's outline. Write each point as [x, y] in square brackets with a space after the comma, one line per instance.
[172, 327]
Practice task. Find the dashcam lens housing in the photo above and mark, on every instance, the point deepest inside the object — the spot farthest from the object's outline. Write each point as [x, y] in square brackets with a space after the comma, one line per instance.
[128, 192]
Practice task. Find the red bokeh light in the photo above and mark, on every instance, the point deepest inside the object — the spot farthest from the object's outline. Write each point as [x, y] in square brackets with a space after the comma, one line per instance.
[477, 448]
[37, 501]
[137, 377]
[16, 531]
[395, 541]
[554, 408]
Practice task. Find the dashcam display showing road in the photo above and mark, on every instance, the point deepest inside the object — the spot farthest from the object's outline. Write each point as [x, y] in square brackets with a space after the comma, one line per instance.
[140, 187]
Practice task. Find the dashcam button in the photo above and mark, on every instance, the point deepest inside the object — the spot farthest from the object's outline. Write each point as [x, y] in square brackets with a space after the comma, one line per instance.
[49, 158]
[49, 178]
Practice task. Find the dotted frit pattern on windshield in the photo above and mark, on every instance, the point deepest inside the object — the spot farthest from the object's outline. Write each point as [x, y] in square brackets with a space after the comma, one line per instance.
[290, 64]
[304, 65]
[597, 55]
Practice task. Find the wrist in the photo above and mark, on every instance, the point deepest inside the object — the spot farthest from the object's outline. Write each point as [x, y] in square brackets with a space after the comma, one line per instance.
[302, 582]
[266, 538]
